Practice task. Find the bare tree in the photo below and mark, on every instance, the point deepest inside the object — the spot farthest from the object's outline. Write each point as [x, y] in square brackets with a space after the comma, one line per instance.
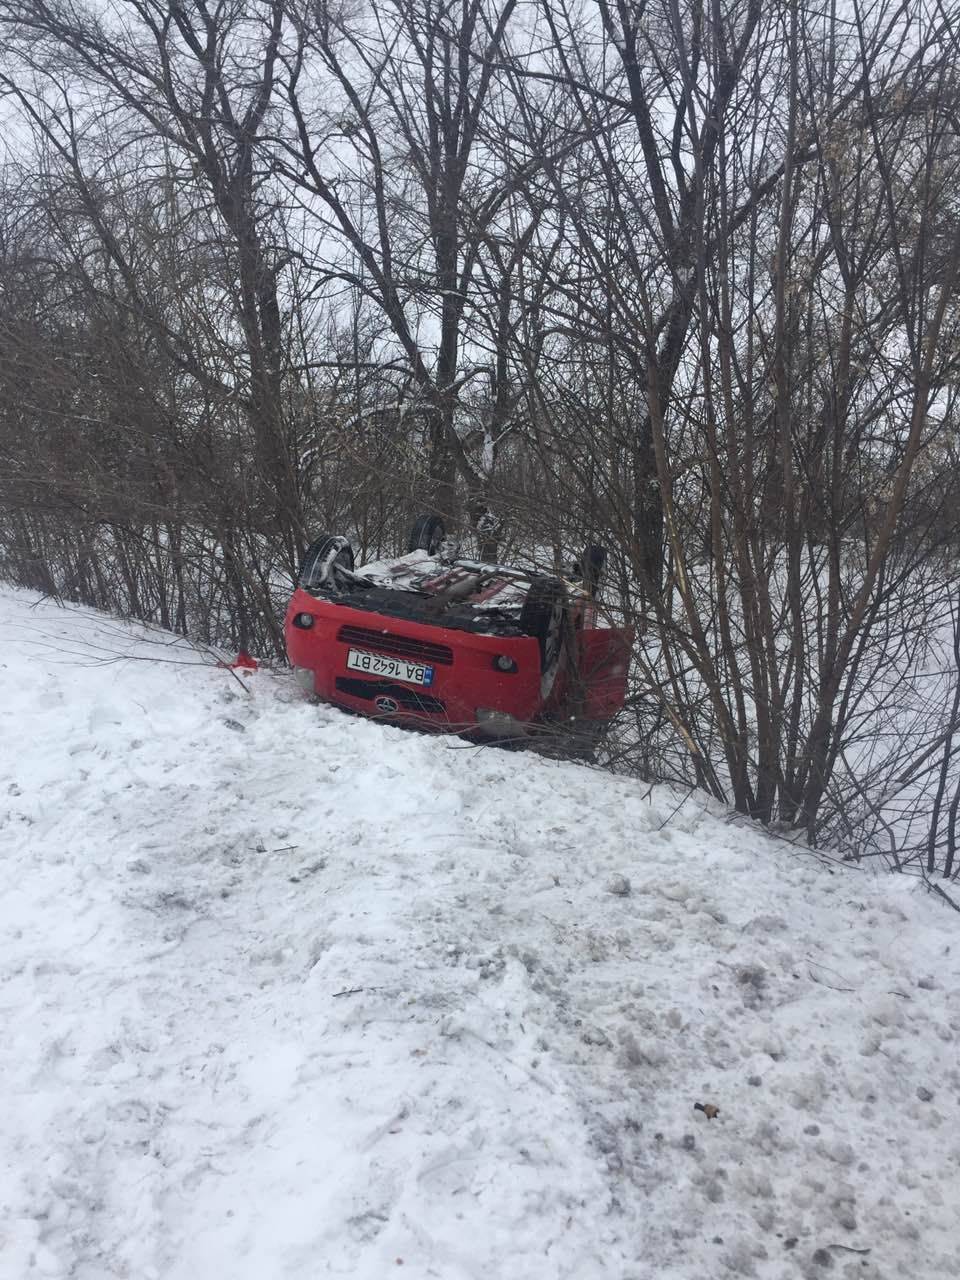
[202, 81]
[414, 189]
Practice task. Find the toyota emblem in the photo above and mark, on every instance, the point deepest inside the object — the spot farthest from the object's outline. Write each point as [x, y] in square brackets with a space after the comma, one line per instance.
[386, 705]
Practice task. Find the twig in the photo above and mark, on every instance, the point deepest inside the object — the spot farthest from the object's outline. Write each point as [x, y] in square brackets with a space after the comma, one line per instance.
[798, 844]
[42, 599]
[517, 1066]
[351, 991]
[827, 968]
[935, 888]
[246, 688]
[676, 809]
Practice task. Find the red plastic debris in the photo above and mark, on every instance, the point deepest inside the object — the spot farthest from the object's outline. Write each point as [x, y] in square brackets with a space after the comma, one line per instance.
[242, 662]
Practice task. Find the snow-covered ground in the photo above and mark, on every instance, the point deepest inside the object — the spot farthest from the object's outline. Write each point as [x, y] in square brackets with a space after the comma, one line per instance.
[287, 994]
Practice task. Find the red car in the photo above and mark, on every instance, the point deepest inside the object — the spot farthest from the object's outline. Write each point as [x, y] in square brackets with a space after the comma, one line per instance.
[452, 644]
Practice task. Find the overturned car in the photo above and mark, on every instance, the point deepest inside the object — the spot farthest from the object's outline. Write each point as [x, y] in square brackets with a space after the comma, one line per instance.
[457, 645]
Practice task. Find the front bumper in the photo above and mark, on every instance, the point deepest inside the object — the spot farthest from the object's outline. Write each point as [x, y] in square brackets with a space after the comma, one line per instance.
[464, 682]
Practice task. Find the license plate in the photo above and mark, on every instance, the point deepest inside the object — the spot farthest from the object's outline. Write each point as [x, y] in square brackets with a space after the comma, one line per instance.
[379, 664]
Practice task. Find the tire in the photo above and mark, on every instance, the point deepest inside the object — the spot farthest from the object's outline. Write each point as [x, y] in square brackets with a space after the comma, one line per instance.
[324, 557]
[427, 535]
[590, 566]
[544, 616]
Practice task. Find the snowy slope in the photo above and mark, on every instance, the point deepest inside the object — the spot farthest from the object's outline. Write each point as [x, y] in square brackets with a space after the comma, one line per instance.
[287, 995]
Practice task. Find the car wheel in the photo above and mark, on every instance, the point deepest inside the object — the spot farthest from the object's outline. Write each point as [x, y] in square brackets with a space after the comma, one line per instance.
[324, 562]
[544, 616]
[590, 566]
[427, 535]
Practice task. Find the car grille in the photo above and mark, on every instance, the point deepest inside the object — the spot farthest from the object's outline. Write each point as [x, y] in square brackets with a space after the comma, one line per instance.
[398, 646]
[407, 699]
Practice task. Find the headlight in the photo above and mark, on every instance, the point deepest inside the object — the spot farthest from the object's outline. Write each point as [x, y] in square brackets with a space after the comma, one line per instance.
[303, 620]
[502, 663]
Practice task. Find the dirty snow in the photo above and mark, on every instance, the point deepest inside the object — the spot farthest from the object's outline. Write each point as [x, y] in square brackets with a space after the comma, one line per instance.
[287, 994]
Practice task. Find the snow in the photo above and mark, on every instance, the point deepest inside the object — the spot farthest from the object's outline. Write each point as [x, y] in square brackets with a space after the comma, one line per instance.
[287, 994]
[419, 571]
